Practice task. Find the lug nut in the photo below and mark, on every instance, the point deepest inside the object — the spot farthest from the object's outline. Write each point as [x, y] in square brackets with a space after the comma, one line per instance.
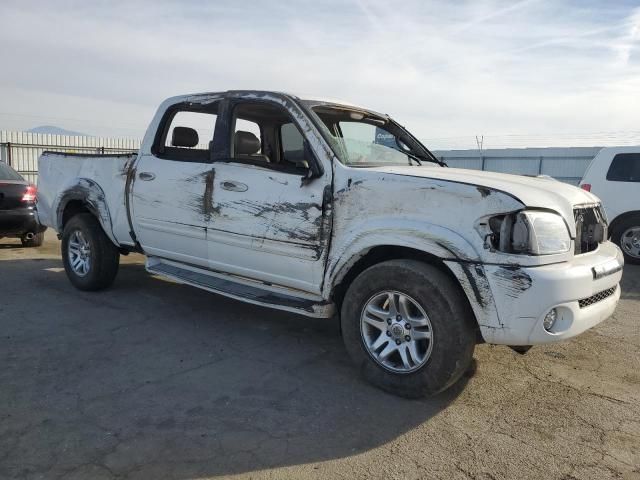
[398, 342]
[388, 333]
[398, 317]
[408, 326]
[389, 321]
[407, 338]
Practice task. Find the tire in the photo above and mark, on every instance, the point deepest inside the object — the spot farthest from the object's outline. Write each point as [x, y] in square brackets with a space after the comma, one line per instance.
[36, 241]
[627, 236]
[451, 322]
[103, 257]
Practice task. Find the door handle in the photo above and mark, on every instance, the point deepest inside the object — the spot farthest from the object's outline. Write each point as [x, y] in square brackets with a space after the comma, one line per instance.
[146, 176]
[234, 186]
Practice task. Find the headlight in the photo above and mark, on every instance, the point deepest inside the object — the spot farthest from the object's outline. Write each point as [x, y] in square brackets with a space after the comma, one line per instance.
[530, 231]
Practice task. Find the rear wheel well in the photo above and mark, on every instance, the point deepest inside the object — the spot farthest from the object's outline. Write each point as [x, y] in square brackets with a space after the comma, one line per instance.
[620, 218]
[71, 209]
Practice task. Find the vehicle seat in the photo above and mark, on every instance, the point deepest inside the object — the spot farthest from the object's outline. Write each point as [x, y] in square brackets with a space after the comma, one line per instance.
[246, 145]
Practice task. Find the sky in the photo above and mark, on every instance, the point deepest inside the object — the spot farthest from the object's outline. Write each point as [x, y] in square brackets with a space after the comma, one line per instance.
[514, 73]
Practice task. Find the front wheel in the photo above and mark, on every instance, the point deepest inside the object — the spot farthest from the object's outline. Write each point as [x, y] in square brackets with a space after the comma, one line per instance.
[90, 259]
[408, 328]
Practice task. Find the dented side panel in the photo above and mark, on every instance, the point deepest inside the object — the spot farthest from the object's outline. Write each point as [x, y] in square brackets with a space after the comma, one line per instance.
[374, 208]
[170, 212]
[66, 177]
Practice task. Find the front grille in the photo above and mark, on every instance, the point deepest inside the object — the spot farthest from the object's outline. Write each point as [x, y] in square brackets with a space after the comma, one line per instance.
[598, 297]
[591, 228]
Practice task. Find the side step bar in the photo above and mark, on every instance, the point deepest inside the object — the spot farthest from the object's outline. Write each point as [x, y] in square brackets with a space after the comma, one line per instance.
[242, 289]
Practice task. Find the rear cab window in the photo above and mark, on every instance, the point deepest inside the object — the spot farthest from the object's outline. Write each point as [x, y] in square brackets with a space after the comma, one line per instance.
[185, 133]
[625, 167]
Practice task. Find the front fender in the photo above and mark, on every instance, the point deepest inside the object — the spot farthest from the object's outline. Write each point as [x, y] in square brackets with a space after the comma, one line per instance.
[92, 196]
[433, 239]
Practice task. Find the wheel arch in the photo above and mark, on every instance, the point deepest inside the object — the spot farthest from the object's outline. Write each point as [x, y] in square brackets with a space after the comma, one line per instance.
[381, 253]
[620, 218]
[86, 196]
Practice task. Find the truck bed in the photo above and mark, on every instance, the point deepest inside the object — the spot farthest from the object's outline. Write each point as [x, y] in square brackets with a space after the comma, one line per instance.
[64, 177]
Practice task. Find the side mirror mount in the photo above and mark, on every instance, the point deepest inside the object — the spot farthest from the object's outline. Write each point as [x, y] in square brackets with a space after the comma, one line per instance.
[313, 169]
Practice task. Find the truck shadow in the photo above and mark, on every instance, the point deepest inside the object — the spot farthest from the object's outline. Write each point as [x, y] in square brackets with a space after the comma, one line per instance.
[153, 379]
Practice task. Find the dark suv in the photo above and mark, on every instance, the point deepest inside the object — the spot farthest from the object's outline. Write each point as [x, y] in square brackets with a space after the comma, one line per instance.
[18, 208]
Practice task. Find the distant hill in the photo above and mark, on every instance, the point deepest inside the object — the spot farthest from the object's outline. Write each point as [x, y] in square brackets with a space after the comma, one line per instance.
[51, 130]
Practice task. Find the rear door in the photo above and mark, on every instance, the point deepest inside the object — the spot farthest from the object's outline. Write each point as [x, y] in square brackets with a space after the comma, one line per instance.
[170, 193]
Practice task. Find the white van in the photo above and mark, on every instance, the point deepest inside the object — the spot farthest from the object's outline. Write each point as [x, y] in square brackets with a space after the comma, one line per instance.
[614, 176]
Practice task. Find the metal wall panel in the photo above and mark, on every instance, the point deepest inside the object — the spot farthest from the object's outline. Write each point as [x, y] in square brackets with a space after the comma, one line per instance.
[565, 164]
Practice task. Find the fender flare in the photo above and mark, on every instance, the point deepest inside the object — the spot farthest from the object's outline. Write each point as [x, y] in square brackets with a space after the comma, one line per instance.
[453, 250]
[92, 196]
[441, 242]
[614, 223]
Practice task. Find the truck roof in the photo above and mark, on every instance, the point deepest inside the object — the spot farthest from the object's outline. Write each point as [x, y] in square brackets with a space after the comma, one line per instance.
[261, 93]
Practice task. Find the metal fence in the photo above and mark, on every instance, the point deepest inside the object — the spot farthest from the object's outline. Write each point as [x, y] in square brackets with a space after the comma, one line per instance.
[22, 149]
[564, 164]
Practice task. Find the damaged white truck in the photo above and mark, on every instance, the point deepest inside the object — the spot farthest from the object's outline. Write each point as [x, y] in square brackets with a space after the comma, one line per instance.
[323, 208]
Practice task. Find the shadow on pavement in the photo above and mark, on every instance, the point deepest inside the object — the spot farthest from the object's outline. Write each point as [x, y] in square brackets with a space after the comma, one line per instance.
[152, 379]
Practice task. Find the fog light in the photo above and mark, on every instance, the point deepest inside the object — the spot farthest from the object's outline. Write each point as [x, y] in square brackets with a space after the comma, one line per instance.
[550, 319]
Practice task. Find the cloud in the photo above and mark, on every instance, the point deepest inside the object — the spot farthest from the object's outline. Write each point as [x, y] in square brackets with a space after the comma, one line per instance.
[444, 69]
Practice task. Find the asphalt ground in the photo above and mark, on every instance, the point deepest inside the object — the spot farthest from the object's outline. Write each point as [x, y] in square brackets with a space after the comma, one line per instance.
[151, 379]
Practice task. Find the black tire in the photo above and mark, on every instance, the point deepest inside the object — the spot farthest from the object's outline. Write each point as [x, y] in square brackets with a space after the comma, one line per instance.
[630, 221]
[452, 322]
[36, 241]
[104, 256]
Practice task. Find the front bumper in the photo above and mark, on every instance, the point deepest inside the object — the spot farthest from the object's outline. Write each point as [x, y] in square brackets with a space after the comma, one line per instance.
[584, 291]
[19, 221]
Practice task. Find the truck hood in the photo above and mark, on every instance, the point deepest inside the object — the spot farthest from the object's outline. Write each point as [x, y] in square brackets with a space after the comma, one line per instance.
[530, 191]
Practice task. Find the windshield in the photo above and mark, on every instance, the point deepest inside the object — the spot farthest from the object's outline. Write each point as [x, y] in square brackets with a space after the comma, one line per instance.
[366, 139]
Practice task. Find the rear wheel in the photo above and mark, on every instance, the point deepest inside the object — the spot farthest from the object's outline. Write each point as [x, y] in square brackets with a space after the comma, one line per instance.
[90, 259]
[35, 241]
[408, 328]
[627, 236]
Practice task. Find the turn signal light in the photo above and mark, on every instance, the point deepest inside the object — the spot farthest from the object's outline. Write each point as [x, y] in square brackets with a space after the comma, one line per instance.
[586, 186]
[30, 194]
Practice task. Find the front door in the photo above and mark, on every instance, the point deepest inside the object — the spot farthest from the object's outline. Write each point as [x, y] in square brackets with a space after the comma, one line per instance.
[267, 222]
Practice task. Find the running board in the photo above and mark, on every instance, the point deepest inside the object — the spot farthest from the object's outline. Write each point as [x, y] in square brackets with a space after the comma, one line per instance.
[243, 289]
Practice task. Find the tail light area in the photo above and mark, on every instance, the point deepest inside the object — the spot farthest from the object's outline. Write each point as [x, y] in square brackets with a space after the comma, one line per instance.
[586, 186]
[30, 194]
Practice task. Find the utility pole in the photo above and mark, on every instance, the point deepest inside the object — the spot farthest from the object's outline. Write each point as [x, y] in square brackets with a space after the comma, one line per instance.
[480, 143]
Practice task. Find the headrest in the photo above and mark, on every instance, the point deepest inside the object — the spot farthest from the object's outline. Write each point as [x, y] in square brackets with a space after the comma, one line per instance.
[246, 143]
[184, 137]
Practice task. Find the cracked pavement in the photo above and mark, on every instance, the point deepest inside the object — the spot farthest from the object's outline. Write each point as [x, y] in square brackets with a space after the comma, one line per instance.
[152, 379]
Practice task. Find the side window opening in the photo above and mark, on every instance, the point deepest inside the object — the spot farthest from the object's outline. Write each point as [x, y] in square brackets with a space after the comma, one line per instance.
[292, 145]
[264, 134]
[625, 167]
[187, 133]
[247, 141]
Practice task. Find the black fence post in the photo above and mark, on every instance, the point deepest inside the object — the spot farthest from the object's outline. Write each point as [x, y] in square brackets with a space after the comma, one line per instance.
[9, 153]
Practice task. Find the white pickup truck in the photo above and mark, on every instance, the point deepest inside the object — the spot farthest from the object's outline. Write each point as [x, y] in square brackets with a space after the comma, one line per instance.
[323, 208]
